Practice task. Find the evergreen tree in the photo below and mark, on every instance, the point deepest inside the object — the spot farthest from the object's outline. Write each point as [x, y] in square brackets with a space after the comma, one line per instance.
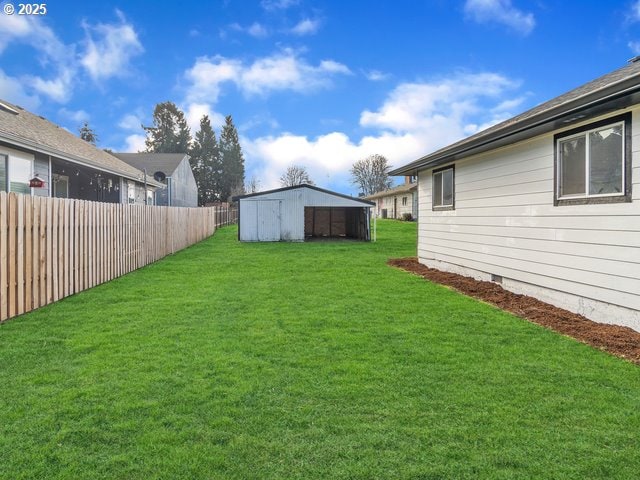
[87, 133]
[170, 132]
[205, 162]
[232, 160]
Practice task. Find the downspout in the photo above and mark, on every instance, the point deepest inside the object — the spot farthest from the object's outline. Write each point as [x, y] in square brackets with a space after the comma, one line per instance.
[375, 228]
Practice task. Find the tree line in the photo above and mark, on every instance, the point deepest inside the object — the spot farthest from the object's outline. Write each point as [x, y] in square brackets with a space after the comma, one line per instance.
[218, 165]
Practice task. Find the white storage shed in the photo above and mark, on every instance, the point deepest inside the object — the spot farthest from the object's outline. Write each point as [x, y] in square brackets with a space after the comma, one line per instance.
[302, 212]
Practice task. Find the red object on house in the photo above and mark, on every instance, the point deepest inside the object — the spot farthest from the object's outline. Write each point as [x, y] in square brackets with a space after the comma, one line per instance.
[36, 182]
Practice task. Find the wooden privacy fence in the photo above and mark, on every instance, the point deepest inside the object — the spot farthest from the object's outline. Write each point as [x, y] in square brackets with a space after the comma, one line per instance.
[51, 248]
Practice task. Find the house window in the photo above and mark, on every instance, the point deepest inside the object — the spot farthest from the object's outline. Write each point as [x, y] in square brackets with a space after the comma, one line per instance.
[443, 189]
[3, 173]
[131, 192]
[593, 163]
[149, 197]
[404, 201]
[60, 186]
[15, 174]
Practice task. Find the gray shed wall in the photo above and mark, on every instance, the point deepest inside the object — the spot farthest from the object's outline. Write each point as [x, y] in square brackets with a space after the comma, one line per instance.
[291, 211]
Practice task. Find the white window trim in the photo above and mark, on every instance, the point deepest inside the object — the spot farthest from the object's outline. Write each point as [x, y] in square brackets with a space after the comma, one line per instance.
[588, 164]
[453, 196]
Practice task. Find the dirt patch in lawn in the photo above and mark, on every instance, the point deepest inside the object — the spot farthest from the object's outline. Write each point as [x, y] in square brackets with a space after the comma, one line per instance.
[620, 341]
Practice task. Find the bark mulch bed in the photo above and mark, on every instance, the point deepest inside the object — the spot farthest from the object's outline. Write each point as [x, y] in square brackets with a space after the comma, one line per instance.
[620, 341]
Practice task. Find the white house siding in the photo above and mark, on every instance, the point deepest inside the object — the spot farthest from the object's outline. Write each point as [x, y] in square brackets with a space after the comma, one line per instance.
[292, 203]
[585, 258]
[383, 203]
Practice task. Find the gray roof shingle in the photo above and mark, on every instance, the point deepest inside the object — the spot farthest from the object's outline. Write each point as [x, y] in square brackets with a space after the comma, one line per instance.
[404, 188]
[41, 135]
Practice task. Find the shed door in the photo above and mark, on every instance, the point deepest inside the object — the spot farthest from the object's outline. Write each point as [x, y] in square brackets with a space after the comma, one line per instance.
[268, 220]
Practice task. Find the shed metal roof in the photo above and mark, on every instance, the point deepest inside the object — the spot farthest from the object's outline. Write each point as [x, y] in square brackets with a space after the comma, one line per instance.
[615, 90]
[304, 185]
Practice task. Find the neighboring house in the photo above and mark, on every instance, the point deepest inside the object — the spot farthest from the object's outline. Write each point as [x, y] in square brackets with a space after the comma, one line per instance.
[397, 201]
[546, 203]
[301, 212]
[181, 190]
[31, 146]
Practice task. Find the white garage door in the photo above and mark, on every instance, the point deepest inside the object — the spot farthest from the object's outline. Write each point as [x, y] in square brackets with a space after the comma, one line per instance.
[268, 220]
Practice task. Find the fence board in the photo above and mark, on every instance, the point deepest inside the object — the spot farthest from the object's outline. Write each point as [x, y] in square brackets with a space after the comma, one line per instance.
[35, 253]
[20, 254]
[4, 280]
[28, 251]
[12, 254]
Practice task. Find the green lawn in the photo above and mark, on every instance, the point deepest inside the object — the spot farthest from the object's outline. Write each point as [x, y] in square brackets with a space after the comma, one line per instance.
[313, 360]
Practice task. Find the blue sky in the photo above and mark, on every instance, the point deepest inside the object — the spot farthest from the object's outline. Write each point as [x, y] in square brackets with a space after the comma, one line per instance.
[314, 83]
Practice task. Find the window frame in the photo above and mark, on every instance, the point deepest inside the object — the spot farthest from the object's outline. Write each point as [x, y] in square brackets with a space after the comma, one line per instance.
[131, 188]
[4, 158]
[435, 207]
[591, 199]
[55, 190]
[10, 169]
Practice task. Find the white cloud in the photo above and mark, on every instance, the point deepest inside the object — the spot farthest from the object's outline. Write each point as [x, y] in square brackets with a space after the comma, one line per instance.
[110, 48]
[256, 30]
[257, 121]
[635, 47]
[500, 11]
[194, 113]
[134, 143]
[207, 74]
[306, 26]
[12, 90]
[280, 71]
[54, 54]
[272, 5]
[32, 31]
[77, 116]
[634, 12]
[419, 106]
[131, 121]
[376, 75]
[58, 89]
[415, 119]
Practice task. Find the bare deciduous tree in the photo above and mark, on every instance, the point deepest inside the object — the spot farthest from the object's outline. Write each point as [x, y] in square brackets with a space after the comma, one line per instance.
[252, 185]
[371, 174]
[295, 175]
